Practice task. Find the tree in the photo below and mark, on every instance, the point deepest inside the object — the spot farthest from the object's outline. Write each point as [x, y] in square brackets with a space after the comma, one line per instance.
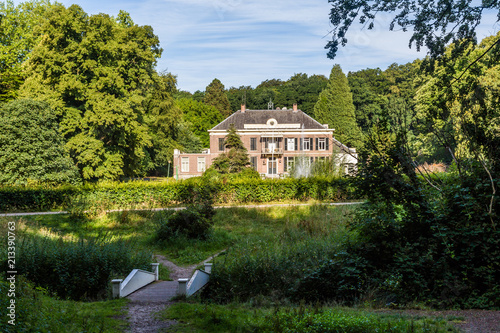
[235, 158]
[369, 89]
[163, 118]
[18, 36]
[434, 24]
[464, 113]
[302, 90]
[335, 108]
[201, 117]
[96, 73]
[215, 95]
[32, 148]
[435, 234]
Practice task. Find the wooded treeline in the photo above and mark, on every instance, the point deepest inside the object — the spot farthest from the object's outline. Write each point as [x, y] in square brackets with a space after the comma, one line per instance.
[101, 104]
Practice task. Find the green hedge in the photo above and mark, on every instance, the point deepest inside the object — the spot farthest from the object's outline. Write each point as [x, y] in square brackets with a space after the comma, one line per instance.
[141, 194]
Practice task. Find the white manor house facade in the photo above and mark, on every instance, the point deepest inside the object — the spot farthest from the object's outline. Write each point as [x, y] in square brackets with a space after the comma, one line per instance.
[275, 140]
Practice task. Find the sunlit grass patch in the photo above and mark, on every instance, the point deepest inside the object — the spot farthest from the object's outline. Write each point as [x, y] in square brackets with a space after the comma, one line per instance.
[198, 317]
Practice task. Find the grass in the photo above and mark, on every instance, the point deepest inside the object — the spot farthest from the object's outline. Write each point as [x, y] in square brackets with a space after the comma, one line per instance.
[291, 236]
[233, 226]
[235, 317]
[36, 311]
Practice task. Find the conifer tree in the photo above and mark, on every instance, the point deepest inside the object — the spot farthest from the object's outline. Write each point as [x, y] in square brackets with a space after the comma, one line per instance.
[215, 95]
[335, 108]
[235, 159]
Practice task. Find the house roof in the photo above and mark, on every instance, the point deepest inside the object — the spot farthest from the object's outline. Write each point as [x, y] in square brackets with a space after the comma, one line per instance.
[253, 117]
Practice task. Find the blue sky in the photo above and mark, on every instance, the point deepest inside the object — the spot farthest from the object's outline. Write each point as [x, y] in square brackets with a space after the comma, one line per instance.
[244, 42]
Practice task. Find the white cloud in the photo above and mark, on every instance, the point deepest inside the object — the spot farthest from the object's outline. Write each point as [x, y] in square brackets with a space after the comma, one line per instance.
[243, 42]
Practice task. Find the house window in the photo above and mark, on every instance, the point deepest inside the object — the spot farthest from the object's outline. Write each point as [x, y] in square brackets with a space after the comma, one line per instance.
[321, 143]
[253, 144]
[306, 144]
[289, 163]
[221, 144]
[291, 144]
[253, 162]
[185, 164]
[201, 164]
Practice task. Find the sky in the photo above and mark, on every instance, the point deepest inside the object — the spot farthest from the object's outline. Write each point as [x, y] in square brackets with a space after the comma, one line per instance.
[244, 42]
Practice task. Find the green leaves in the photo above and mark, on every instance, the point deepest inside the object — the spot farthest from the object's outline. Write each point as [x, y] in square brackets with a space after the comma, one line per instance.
[97, 74]
[201, 117]
[335, 108]
[235, 158]
[215, 95]
[434, 24]
[32, 148]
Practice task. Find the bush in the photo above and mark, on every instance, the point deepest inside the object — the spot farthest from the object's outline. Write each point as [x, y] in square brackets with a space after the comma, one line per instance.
[194, 222]
[342, 279]
[333, 320]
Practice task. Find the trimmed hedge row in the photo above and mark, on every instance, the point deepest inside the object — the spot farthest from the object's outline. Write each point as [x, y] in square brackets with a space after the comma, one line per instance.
[140, 194]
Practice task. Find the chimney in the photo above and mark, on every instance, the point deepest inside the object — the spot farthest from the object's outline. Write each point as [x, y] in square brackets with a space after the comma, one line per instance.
[242, 108]
[295, 107]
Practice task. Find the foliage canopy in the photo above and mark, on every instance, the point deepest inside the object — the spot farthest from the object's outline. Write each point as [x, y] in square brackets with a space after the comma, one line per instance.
[32, 148]
[215, 95]
[95, 73]
[434, 24]
[335, 108]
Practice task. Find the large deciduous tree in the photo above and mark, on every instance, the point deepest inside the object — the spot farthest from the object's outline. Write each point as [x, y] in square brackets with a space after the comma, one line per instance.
[436, 235]
[435, 24]
[32, 147]
[215, 95]
[96, 73]
[335, 108]
[201, 117]
[18, 36]
[466, 110]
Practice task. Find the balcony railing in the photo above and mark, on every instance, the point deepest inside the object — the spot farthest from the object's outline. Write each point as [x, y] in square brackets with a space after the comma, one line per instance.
[269, 151]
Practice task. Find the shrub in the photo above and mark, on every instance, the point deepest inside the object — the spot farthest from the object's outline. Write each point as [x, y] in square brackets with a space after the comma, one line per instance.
[38, 312]
[334, 320]
[194, 222]
[342, 278]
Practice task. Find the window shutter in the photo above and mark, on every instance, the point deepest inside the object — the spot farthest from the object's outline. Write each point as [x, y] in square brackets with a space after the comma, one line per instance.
[296, 144]
[301, 144]
[317, 143]
[327, 144]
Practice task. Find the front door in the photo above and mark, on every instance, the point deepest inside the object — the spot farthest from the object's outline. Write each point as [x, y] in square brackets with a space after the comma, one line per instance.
[271, 166]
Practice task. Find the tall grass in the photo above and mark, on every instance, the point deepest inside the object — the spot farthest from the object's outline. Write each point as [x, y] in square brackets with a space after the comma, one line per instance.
[38, 312]
[270, 262]
[77, 268]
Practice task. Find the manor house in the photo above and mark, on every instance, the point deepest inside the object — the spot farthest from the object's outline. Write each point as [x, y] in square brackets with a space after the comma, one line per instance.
[275, 140]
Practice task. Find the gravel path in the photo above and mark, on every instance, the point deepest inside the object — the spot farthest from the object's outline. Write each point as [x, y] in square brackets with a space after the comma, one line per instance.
[146, 302]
